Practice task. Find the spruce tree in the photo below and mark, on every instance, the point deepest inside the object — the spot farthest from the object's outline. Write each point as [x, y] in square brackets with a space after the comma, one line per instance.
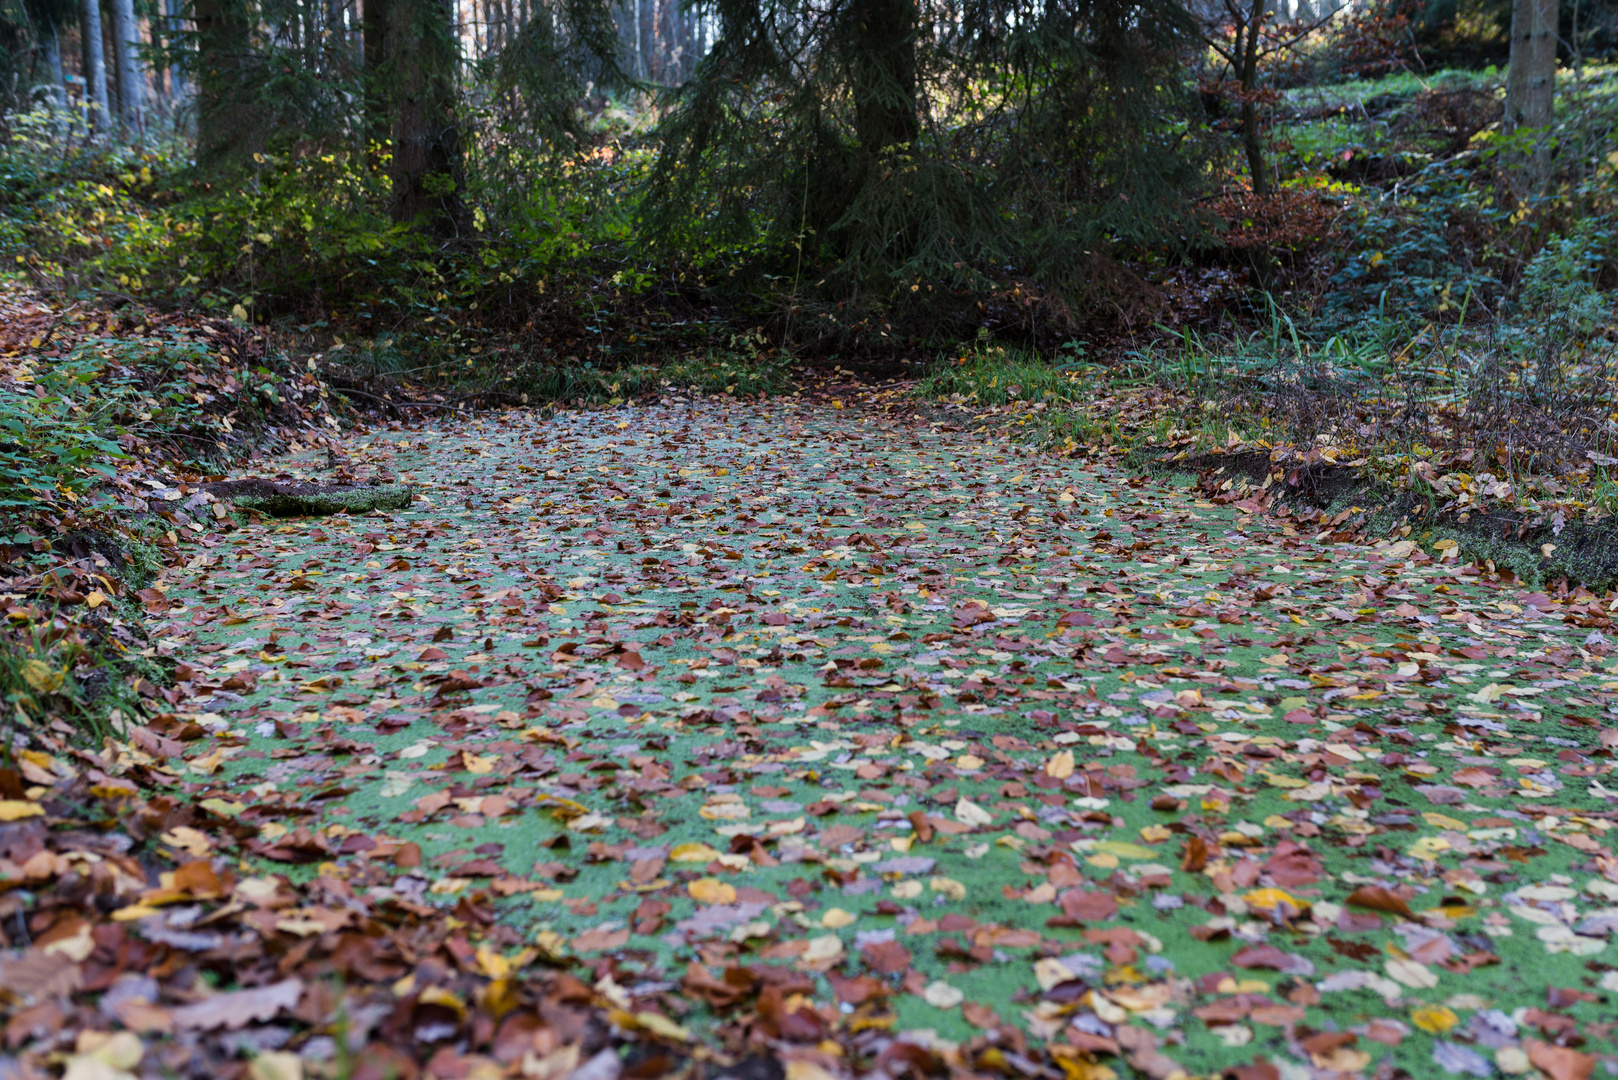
[910, 157]
[422, 73]
[222, 47]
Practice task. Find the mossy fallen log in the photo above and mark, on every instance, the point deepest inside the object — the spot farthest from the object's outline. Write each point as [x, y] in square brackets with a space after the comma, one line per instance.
[297, 498]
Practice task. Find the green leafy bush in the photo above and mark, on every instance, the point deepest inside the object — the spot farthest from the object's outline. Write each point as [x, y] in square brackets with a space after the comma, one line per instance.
[1560, 283]
[60, 435]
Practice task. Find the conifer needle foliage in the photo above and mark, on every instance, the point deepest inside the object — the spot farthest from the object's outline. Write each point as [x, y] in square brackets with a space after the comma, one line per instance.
[909, 153]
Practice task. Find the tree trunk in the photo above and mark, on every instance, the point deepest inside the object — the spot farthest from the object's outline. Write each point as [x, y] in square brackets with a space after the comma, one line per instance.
[884, 74]
[640, 64]
[51, 42]
[177, 82]
[131, 88]
[1252, 137]
[155, 26]
[1531, 79]
[95, 65]
[221, 45]
[424, 58]
[374, 30]
[702, 33]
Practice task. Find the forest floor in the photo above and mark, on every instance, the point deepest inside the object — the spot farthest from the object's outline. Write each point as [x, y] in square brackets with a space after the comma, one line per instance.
[760, 739]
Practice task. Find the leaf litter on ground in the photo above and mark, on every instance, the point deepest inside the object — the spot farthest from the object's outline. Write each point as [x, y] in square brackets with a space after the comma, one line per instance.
[829, 740]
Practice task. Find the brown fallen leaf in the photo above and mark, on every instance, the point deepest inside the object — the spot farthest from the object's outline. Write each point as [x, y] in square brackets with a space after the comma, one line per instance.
[1195, 855]
[598, 939]
[1088, 906]
[238, 1008]
[980, 1015]
[1559, 1062]
[37, 976]
[1379, 898]
[886, 957]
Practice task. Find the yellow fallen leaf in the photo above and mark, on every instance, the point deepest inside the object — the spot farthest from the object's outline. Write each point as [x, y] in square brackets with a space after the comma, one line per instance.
[1270, 899]
[836, 918]
[561, 808]
[693, 853]
[208, 764]
[477, 765]
[1442, 821]
[711, 891]
[438, 995]
[15, 809]
[1434, 1019]
[662, 1026]
[1155, 834]
[807, 1070]
[941, 995]
[42, 677]
[948, 887]
[1428, 848]
[495, 965]
[1124, 850]
[1060, 766]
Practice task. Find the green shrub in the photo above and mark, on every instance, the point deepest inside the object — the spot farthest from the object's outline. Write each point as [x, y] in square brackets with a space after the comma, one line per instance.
[1560, 282]
[59, 439]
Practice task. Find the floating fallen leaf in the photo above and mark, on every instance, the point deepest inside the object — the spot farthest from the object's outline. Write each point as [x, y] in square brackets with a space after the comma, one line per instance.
[712, 891]
[698, 853]
[970, 813]
[1410, 973]
[1124, 850]
[836, 918]
[1434, 1019]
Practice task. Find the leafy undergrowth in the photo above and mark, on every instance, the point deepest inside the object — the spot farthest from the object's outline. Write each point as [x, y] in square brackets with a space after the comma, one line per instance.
[1507, 424]
[109, 420]
[735, 735]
